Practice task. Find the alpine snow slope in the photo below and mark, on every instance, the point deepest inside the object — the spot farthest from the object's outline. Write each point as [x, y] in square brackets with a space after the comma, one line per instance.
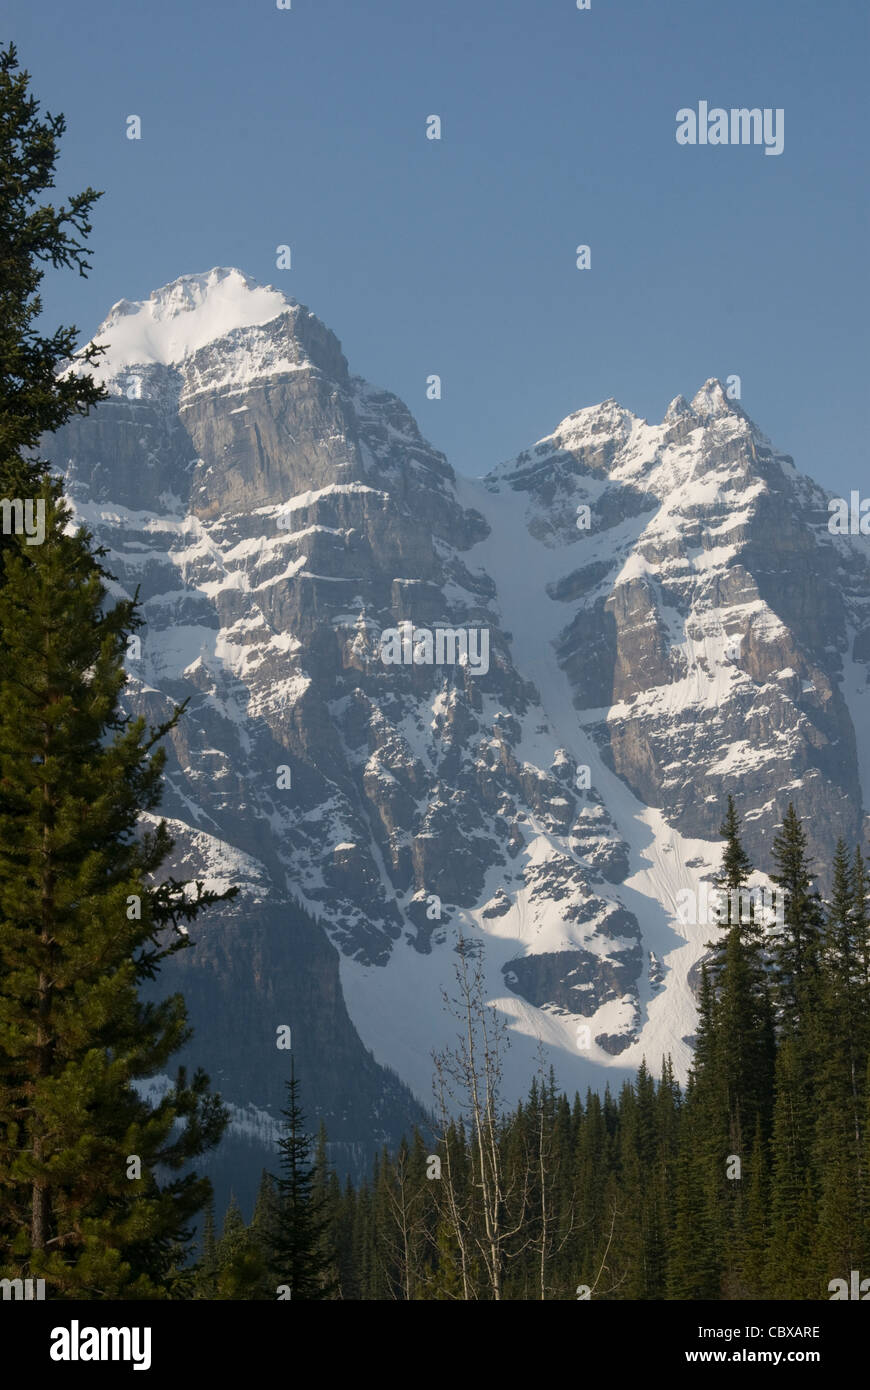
[697, 630]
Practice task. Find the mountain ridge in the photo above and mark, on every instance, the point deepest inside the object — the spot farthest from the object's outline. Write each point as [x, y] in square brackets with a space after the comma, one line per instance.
[703, 634]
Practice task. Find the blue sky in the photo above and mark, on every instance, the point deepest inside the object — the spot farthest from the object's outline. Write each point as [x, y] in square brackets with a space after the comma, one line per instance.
[307, 127]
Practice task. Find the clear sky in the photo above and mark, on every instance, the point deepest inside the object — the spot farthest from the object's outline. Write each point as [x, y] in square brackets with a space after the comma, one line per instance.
[307, 127]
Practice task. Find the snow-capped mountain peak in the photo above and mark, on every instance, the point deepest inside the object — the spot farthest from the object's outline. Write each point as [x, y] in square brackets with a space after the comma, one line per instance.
[711, 401]
[184, 316]
[667, 619]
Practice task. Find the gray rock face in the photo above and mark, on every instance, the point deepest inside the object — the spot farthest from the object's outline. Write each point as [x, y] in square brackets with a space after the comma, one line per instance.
[709, 620]
[278, 516]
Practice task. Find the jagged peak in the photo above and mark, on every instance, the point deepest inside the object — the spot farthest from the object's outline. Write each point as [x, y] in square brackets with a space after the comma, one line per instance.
[678, 408]
[711, 401]
[607, 416]
[183, 316]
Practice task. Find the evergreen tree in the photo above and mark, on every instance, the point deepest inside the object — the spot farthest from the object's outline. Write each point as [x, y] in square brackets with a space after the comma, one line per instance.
[326, 1198]
[654, 1169]
[239, 1259]
[205, 1278]
[793, 1199]
[592, 1164]
[800, 999]
[363, 1243]
[262, 1230]
[82, 925]
[348, 1274]
[861, 914]
[742, 1015]
[701, 1215]
[796, 949]
[669, 1105]
[736, 867]
[34, 398]
[731, 1092]
[750, 1257]
[297, 1249]
[447, 1281]
[628, 1252]
[839, 1147]
[695, 1256]
[264, 1220]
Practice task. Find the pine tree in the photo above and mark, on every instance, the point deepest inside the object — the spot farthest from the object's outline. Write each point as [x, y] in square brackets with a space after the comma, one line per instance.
[751, 1254]
[34, 397]
[446, 1283]
[701, 1215]
[796, 950]
[669, 1107]
[628, 1254]
[239, 1258]
[362, 1242]
[265, 1209]
[297, 1251]
[799, 995]
[742, 1017]
[736, 867]
[205, 1279]
[82, 925]
[839, 1147]
[653, 1166]
[861, 914]
[793, 1198]
[326, 1198]
[262, 1231]
[348, 1276]
[695, 1254]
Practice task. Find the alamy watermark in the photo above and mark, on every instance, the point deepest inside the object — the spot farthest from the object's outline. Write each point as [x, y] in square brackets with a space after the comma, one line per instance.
[407, 645]
[23, 518]
[857, 1289]
[740, 126]
[22, 1288]
[850, 518]
[711, 904]
[77, 1343]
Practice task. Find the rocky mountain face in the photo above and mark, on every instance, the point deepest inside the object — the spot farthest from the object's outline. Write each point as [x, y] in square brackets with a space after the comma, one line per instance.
[709, 620]
[420, 704]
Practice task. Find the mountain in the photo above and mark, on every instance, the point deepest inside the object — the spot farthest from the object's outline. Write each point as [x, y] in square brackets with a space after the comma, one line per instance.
[549, 786]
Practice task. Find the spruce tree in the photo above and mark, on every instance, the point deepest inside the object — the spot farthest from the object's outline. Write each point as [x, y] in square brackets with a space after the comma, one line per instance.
[750, 1260]
[362, 1242]
[348, 1276]
[264, 1219]
[861, 914]
[205, 1274]
[446, 1282]
[793, 1195]
[736, 866]
[300, 1225]
[742, 1017]
[239, 1259]
[34, 397]
[695, 1254]
[83, 924]
[797, 947]
[326, 1199]
[637, 1254]
[801, 1058]
[701, 1217]
[839, 1148]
